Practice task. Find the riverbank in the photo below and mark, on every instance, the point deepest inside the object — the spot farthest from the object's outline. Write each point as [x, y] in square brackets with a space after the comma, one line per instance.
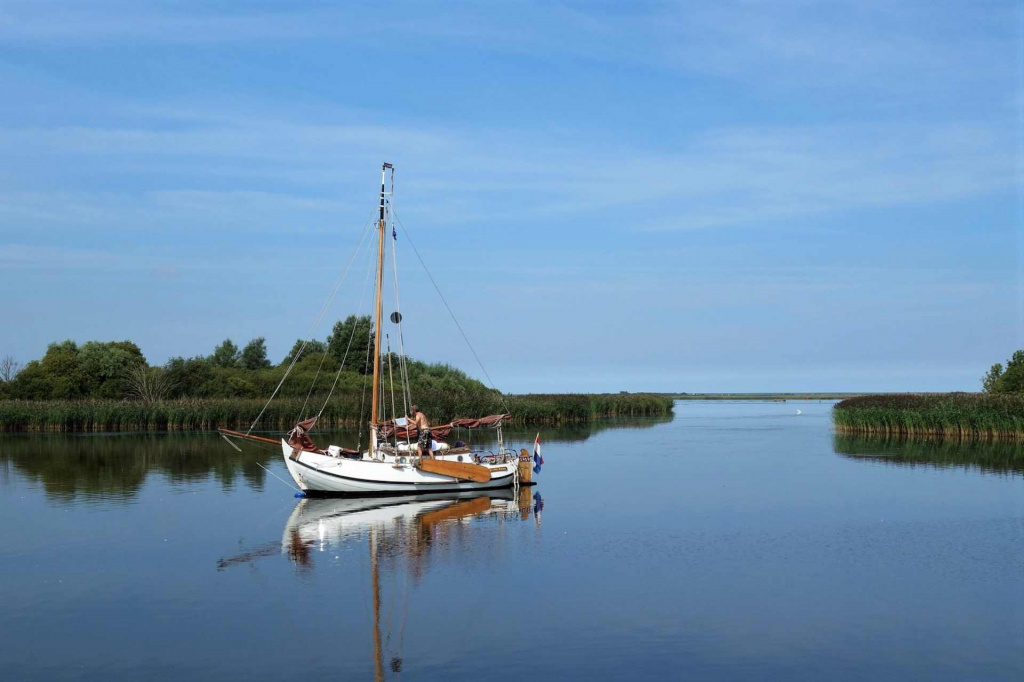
[955, 415]
[203, 414]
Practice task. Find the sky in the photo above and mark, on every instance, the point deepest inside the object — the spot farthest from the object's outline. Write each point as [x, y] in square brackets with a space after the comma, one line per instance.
[733, 196]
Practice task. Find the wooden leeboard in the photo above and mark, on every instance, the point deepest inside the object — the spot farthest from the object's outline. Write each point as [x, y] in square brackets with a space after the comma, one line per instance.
[460, 470]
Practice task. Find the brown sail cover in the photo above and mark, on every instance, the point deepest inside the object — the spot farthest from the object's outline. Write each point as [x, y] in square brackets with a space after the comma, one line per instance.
[440, 431]
[299, 438]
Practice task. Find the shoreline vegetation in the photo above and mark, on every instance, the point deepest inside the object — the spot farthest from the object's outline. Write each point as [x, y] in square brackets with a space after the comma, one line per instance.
[943, 415]
[206, 414]
[110, 386]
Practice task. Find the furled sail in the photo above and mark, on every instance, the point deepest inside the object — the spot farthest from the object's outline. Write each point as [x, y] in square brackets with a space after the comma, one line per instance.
[440, 432]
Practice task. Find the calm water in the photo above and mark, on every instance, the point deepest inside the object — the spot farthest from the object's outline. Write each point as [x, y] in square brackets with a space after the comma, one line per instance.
[737, 541]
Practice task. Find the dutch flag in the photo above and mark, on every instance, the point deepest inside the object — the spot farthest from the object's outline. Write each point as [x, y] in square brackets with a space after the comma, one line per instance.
[538, 460]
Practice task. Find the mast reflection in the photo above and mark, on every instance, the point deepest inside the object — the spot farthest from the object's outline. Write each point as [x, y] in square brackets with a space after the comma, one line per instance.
[401, 535]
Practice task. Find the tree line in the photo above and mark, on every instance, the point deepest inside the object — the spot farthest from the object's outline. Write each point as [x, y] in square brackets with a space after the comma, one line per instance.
[119, 370]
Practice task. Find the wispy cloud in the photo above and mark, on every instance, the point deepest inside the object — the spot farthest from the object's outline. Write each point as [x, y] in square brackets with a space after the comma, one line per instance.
[716, 177]
[869, 45]
[24, 257]
[42, 21]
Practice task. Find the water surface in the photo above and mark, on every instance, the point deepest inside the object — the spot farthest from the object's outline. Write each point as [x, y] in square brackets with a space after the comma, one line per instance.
[737, 541]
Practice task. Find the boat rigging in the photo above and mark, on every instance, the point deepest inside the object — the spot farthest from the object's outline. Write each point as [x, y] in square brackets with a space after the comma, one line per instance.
[391, 463]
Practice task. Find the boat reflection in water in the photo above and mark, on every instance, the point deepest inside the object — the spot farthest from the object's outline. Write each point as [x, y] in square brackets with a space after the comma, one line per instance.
[398, 528]
[407, 526]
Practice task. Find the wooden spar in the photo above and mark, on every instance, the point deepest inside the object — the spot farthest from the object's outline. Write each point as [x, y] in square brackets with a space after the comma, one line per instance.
[380, 285]
[249, 436]
[459, 470]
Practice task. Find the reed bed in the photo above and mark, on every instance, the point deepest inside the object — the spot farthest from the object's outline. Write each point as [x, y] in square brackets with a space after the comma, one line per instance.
[204, 414]
[949, 415]
[571, 408]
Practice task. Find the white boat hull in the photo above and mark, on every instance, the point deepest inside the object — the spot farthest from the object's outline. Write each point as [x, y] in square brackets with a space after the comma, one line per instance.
[317, 473]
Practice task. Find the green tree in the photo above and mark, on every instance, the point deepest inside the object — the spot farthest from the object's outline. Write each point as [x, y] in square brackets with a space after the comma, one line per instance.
[188, 376]
[32, 383]
[358, 330]
[313, 347]
[990, 381]
[240, 388]
[103, 367]
[254, 355]
[60, 366]
[226, 354]
[1008, 380]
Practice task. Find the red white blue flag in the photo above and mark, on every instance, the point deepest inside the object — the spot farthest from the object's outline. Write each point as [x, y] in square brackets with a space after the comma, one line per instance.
[537, 459]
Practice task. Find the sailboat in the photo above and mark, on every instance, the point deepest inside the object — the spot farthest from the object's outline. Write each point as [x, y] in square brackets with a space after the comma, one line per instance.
[393, 464]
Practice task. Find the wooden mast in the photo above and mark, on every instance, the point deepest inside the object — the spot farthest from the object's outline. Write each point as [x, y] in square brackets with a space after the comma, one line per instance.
[380, 284]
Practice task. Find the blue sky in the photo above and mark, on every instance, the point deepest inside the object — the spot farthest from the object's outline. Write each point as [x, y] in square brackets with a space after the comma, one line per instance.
[720, 196]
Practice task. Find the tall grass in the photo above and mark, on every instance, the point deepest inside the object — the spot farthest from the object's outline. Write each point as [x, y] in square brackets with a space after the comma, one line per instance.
[960, 415]
[203, 414]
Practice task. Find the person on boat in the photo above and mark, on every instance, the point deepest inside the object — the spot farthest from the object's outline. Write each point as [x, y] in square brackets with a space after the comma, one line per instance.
[423, 426]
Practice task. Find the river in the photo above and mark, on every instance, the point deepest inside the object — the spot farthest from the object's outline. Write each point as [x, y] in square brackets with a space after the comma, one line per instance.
[733, 541]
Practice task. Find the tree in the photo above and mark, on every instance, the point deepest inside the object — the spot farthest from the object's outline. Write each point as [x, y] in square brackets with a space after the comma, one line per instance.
[102, 366]
[32, 383]
[240, 388]
[189, 376]
[148, 384]
[226, 354]
[990, 381]
[59, 367]
[313, 347]
[254, 355]
[9, 368]
[1008, 380]
[357, 331]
